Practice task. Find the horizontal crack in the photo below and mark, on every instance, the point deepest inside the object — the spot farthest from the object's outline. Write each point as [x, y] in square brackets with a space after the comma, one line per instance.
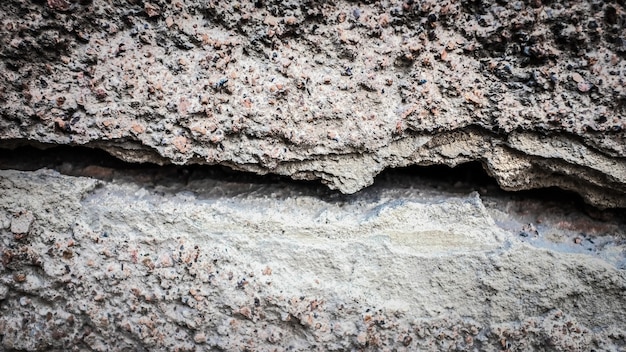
[96, 163]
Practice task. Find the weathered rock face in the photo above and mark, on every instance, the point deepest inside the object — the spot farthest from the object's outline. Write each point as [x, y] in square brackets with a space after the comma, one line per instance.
[206, 264]
[336, 91]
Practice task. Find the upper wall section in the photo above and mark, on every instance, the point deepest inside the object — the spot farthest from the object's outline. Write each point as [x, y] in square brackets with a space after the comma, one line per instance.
[330, 90]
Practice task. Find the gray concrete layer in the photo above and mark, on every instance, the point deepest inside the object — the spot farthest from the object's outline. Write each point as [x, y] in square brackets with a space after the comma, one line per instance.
[219, 265]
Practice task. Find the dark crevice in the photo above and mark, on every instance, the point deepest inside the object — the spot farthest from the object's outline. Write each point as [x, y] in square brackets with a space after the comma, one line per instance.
[84, 161]
[471, 176]
[465, 178]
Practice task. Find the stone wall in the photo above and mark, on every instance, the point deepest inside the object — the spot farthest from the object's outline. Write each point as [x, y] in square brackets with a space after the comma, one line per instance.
[100, 257]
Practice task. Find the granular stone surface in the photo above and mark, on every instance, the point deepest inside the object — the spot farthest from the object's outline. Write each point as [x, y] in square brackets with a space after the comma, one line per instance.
[336, 91]
[165, 253]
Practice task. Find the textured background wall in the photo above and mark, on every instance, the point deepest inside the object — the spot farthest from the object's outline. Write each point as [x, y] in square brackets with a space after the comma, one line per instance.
[180, 258]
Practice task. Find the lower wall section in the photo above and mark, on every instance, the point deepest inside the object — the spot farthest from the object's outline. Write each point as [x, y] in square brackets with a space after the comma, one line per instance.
[221, 265]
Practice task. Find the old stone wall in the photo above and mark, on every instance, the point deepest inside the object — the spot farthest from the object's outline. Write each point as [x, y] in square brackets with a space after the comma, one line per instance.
[189, 253]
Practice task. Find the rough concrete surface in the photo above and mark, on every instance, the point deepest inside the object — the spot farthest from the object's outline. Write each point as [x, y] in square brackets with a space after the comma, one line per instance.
[329, 90]
[178, 258]
[218, 265]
